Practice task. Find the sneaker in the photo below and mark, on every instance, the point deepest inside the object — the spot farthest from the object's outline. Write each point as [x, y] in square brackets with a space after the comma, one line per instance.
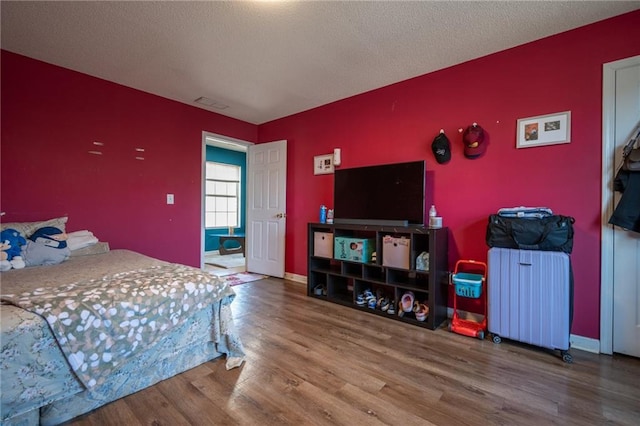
[391, 310]
[380, 301]
[360, 300]
[422, 313]
[371, 303]
[384, 305]
[406, 303]
[369, 296]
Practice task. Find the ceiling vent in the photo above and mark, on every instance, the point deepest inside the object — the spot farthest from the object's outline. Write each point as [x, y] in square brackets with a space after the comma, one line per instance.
[210, 103]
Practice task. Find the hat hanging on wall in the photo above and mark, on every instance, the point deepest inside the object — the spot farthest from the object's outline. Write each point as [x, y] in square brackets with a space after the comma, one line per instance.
[474, 141]
[441, 148]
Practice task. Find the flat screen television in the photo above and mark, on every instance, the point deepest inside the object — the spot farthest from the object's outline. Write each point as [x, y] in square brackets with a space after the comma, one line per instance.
[388, 194]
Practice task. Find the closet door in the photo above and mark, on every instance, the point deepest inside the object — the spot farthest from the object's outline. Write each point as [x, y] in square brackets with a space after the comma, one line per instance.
[626, 244]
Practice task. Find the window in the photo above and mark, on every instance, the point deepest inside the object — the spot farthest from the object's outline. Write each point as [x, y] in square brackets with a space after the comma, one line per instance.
[222, 195]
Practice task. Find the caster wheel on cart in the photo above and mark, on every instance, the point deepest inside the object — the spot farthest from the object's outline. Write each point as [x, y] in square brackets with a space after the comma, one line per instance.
[481, 335]
[566, 357]
[496, 339]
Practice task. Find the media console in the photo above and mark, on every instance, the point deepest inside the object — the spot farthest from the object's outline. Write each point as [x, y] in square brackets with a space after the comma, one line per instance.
[342, 280]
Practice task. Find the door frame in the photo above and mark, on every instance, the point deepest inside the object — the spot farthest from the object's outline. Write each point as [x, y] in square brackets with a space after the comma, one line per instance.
[219, 141]
[608, 167]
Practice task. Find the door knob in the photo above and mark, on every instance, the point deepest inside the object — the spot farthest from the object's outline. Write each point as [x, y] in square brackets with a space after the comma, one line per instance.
[281, 215]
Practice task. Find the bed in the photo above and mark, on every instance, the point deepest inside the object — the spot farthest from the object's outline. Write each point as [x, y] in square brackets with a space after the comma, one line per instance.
[97, 327]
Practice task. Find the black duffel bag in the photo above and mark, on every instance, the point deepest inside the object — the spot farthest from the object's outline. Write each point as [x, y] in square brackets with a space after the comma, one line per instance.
[551, 233]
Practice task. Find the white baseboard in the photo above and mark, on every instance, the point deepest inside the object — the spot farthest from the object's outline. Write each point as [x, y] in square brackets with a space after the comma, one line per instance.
[302, 279]
[581, 343]
[586, 344]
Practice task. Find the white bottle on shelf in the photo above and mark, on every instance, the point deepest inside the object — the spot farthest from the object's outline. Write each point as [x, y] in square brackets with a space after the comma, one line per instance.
[435, 222]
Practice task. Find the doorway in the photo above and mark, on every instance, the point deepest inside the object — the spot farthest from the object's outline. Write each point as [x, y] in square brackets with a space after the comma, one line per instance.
[223, 244]
[620, 273]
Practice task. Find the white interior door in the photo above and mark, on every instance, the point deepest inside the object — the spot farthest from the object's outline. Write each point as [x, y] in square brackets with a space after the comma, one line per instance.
[626, 244]
[266, 207]
[620, 262]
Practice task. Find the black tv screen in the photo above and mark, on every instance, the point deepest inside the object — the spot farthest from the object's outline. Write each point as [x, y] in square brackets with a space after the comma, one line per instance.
[392, 194]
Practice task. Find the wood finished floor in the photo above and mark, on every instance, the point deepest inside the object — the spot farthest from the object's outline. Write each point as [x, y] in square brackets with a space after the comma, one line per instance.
[313, 362]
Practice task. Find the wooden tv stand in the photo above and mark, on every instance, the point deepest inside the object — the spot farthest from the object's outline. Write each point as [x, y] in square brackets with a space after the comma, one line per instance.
[343, 280]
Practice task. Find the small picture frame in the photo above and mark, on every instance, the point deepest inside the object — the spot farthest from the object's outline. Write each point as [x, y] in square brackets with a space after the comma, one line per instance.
[550, 129]
[323, 164]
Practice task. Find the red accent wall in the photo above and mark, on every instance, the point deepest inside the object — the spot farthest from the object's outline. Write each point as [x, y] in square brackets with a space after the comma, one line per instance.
[398, 123]
[50, 118]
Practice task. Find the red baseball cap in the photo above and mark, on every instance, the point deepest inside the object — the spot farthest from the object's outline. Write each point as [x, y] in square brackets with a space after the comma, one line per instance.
[474, 143]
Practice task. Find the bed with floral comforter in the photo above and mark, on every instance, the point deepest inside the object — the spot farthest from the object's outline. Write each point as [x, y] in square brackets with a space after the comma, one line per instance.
[83, 333]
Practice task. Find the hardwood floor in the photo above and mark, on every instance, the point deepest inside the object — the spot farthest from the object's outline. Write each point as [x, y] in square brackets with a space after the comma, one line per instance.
[312, 362]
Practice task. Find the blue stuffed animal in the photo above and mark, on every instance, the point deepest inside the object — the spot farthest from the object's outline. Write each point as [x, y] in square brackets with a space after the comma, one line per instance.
[15, 240]
[11, 242]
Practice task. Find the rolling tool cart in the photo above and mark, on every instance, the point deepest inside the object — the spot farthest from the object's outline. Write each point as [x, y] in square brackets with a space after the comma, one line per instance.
[469, 285]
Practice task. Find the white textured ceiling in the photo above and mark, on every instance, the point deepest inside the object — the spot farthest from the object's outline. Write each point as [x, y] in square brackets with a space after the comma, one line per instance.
[270, 59]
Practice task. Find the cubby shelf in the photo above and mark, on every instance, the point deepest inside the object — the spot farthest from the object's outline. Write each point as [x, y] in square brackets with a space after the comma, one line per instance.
[342, 280]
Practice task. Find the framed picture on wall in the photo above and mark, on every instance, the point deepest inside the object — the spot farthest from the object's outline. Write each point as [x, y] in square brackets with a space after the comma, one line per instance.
[323, 164]
[543, 130]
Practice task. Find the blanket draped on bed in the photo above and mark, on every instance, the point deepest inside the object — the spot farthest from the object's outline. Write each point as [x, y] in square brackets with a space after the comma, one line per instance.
[100, 323]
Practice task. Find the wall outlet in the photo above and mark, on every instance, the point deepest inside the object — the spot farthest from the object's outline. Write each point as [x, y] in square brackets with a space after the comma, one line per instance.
[169, 198]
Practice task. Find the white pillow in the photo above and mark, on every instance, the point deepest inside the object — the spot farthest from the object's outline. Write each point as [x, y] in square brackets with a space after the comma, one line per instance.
[98, 248]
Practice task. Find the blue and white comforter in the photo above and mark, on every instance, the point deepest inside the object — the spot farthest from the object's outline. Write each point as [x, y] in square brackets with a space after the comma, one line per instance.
[103, 321]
